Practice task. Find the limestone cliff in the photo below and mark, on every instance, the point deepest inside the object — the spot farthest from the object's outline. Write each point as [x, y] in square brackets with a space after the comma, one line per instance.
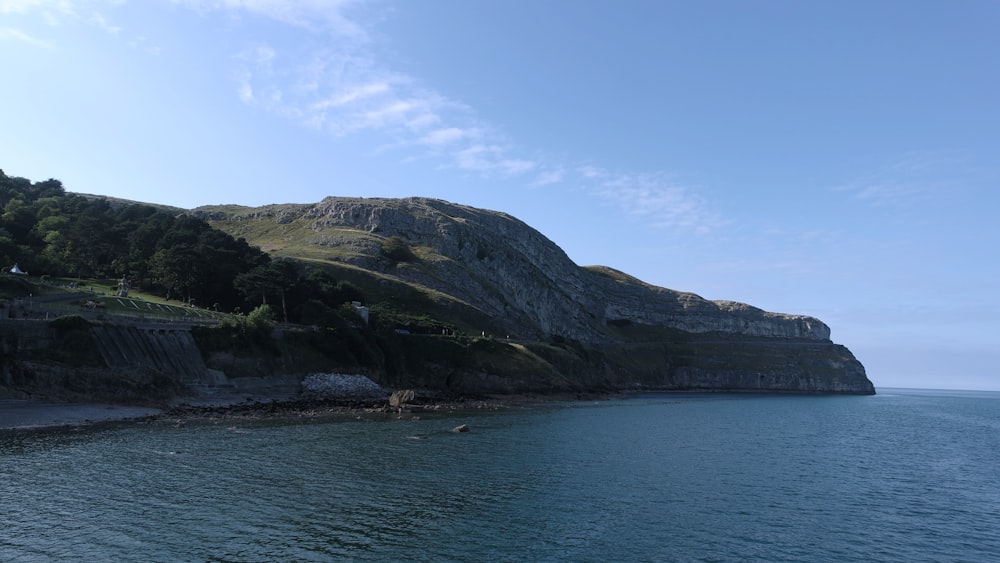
[531, 290]
[509, 270]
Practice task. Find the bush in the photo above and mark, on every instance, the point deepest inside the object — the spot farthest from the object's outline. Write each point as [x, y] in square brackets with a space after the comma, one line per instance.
[68, 323]
[396, 249]
[261, 318]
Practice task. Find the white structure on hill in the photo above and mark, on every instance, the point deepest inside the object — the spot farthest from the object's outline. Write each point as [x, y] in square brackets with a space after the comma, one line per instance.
[361, 310]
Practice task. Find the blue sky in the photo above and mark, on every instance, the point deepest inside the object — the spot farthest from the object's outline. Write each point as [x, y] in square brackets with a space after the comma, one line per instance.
[837, 159]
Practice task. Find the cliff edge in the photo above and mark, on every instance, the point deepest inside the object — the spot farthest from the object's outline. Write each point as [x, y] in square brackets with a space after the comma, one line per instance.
[475, 263]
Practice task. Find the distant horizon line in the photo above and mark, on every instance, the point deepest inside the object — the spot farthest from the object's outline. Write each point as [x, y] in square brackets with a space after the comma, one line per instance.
[939, 389]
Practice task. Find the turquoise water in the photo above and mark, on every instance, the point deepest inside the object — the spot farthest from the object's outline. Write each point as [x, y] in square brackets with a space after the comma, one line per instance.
[900, 476]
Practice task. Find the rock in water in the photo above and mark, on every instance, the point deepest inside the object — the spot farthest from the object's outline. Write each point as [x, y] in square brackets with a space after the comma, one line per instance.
[400, 397]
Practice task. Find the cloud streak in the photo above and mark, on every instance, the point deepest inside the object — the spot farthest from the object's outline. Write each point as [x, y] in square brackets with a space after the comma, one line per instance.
[328, 75]
[11, 34]
[657, 200]
[346, 90]
[313, 15]
[914, 178]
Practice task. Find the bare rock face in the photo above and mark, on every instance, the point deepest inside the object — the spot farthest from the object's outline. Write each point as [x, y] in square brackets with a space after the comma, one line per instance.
[531, 289]
[629, 299]
[512, 272]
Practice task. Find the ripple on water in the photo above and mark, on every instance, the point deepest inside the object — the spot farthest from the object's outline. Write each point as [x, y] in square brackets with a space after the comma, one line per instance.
[654, 478]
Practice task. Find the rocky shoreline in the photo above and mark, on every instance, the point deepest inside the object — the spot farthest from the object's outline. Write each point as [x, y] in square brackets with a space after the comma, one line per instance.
[30, 415]
[316, 408]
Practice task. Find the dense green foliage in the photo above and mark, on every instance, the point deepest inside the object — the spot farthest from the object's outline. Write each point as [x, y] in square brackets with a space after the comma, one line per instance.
[413, 338]
[46, 231]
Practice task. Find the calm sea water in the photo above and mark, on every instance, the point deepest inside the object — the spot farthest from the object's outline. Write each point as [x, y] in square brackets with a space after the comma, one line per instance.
[900, 476]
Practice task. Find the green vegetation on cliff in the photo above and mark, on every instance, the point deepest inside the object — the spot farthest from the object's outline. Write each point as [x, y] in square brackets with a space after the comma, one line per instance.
[413, 292]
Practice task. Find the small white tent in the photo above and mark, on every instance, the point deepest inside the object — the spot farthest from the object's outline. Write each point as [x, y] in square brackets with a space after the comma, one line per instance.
[16, 270]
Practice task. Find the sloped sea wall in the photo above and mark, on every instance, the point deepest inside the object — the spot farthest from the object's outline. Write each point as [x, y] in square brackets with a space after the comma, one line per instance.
[166, 349]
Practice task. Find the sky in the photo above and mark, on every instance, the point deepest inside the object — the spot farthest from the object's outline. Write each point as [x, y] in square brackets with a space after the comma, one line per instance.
[838, 159]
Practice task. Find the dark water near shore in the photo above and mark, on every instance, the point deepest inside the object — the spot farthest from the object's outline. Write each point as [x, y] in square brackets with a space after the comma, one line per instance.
[901, 476]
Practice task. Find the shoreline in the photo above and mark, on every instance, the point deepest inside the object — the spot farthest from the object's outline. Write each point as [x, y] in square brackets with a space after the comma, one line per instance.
[25, 415]
[28, 414]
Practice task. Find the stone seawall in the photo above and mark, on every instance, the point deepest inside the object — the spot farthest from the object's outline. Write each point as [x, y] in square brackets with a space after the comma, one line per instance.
[23, 334]
[158, 362]
[167, 349]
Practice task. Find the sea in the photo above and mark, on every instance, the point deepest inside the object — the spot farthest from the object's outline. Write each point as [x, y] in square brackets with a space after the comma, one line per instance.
[904, 475]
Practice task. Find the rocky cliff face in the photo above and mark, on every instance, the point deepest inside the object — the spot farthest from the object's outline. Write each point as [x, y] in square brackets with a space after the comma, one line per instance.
[516, 276]
[511, 271]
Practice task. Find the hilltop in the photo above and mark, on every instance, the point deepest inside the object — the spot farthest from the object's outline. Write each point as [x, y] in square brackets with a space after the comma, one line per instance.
[152, 302]
[483, 272]
[493, 266]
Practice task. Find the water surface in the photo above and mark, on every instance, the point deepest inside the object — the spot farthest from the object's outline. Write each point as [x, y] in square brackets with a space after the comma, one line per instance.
[900, 476]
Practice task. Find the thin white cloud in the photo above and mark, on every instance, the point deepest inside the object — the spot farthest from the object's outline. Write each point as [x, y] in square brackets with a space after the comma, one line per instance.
[914, 178]
[346, 89]
[261, 55]
[592, 172]
[549, 177]
[100, 20]
[329, 75]
[11, 34]
[659, 202]
[142, 43]
[307, 14]
[24, 6]
[488, 159]
[444, 136]
[353, 95]
[56, 13]
[394, 112]
[244, 89]
[760, 263]
[516, 166]
[479, 158]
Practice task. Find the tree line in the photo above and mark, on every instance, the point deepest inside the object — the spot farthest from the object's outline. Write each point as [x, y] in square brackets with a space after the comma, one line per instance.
[45, 230]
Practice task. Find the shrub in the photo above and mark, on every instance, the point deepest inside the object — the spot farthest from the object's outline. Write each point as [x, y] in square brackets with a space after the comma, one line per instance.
[261, 318]
[68, 323]
[396, 249]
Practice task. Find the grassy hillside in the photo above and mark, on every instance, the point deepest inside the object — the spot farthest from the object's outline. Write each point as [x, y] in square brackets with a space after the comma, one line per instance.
[458, 299]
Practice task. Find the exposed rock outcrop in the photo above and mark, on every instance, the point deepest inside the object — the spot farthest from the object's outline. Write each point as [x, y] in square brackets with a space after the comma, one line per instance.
[529, 288]
[513, 273]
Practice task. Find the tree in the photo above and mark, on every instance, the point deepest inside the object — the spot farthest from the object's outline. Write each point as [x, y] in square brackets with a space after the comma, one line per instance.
[177, 268]
[253, 283]
[277, 277]
[284, 275]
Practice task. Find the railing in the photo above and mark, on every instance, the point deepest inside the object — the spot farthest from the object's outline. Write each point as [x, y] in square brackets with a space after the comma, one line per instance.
[131, 309]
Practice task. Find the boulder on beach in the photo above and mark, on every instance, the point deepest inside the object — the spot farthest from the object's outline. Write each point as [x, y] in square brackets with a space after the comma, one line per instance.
[400, 397]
